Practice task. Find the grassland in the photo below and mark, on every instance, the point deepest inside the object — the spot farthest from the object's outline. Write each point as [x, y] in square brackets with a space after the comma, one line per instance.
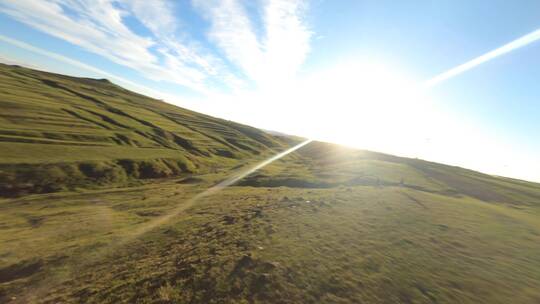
[344, 244]
[87, 132]
[325, 224]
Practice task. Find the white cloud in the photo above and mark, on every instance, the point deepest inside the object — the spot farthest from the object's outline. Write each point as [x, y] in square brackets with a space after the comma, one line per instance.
[98, 27]
[267, 60]
[98, 30]
[287, 37]
[169, 53]
[232, 31]
[158, 17]
[155, 15]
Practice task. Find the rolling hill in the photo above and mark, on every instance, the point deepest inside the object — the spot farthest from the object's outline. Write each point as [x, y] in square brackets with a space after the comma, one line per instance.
[60, 132]
[102, 204]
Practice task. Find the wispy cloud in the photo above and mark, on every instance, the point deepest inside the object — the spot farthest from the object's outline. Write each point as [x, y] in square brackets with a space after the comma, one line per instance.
[231, 30]
[158, 17]
[155, 15]
[272, 58]
[287, 36]
[169, 54]
[99, 28]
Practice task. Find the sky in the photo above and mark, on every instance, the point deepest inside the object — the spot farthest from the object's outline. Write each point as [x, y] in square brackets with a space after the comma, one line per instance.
[447, 81]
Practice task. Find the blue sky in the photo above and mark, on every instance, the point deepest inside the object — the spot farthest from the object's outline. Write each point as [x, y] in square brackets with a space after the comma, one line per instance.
[333, 70]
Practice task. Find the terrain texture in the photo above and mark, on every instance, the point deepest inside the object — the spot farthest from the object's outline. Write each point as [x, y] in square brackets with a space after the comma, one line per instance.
[101, 203]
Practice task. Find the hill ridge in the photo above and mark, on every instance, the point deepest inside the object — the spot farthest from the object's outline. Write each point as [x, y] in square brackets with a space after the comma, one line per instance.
[42, 109]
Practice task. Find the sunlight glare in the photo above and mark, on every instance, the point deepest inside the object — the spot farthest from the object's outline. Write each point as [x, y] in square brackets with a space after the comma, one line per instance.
[363, 104]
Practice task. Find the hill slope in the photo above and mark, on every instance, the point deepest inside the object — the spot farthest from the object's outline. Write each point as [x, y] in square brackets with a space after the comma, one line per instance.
[71, 131]
[323, 165]
[325, 224]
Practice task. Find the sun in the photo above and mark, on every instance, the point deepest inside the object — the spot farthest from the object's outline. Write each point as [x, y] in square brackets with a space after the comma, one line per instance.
[360, 104]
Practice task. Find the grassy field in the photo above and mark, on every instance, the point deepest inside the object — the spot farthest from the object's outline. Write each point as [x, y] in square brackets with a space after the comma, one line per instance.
[344, 244]
[126, 223]
[84, 132]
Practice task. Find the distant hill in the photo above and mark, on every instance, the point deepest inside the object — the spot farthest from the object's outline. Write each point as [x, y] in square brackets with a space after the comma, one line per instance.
[324, 165]
[61, 132]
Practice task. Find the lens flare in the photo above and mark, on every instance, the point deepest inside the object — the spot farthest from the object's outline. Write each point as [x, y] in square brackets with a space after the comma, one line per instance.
[507, 48]
[220, 186]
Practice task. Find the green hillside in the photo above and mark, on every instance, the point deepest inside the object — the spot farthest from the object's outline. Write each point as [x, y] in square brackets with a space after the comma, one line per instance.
[60, 132]
[103, 204]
